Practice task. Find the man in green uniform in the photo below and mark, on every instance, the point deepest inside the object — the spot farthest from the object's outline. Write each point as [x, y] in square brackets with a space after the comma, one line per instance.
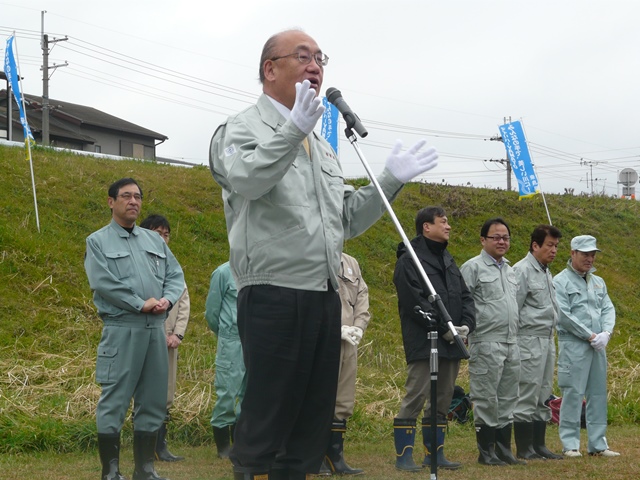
[221, 314]
[536, 330]
[586, 321]
[135, 280]
[494, 366]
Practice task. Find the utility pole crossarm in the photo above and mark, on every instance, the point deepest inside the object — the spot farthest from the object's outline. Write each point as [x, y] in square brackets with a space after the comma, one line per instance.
[45, 79]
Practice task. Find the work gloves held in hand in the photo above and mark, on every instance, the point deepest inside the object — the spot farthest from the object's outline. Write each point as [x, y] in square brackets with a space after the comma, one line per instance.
[600, 341]
[352, 334]
[463, 332]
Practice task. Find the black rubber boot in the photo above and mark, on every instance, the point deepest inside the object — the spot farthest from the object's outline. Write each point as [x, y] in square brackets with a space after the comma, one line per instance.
[539, 434]
[109, 449]
[404, 435]
[523, 434]
[335, 452]
[485, 436]
[503, 446]
[144, 446]
[222, 437]
[162, 452]
[426, 440]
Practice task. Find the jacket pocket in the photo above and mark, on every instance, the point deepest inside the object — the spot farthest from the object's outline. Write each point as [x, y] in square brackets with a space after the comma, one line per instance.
[335, 182]
[490, 287]
[119, 263]
[157, 262]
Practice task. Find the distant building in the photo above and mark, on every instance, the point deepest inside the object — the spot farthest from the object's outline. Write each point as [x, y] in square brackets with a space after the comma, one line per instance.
[77, 127]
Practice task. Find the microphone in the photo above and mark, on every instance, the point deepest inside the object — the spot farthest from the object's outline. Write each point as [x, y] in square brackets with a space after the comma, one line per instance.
[353, 121]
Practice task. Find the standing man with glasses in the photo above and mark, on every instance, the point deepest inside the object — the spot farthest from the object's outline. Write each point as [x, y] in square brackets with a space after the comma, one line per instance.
[288, 212]
[494, 365]
[135, 280]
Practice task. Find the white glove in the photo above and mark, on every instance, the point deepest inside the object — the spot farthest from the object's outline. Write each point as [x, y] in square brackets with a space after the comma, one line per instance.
[356, 334]
[600, 342]
[407, 165]
[307, 108]
[463, 331]
[346, 335]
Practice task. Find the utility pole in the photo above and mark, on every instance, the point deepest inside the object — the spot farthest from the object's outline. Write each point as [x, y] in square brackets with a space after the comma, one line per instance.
[498, 138]
[45, 78]
[590, 164]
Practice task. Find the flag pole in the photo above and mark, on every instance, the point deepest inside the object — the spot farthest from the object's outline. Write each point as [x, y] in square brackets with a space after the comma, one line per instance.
[27, 131]
[533, 165]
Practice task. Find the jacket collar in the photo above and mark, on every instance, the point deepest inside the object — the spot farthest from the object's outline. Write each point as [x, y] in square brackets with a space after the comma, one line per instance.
[121, 231]
[269, 113]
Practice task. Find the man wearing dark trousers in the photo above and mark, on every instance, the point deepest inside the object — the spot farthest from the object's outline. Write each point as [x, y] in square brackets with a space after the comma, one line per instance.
[430, 245]
[135, 280]
[288, 212]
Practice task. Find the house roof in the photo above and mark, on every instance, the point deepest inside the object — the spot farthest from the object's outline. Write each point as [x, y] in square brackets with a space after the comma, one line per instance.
[65, 118]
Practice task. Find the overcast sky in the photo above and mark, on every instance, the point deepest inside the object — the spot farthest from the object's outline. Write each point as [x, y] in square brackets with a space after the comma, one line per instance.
[449, 71]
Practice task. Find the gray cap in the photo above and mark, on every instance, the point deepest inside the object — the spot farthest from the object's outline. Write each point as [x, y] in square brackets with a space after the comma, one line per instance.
[584, 243]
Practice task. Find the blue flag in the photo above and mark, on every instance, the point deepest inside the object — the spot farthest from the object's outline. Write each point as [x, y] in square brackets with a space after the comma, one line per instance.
[11, 71]
[330, 124]
[520, 159]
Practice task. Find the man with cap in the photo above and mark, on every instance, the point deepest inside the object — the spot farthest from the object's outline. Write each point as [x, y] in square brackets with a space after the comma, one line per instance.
[585, 324]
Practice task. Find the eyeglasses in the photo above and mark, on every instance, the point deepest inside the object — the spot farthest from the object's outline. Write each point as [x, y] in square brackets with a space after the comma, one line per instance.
[305, 58]
[497, 238]
[128, 196]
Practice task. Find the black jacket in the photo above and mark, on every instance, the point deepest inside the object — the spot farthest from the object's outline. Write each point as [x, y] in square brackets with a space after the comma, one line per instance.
[448, 284]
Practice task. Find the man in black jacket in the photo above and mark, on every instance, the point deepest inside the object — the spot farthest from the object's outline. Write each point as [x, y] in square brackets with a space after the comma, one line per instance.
[430, 245]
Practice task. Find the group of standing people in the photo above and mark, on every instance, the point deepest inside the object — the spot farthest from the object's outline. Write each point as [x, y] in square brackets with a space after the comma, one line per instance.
[291, 376]
[509, 316]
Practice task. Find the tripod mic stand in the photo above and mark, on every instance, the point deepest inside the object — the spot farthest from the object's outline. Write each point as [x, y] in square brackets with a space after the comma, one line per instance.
[433, 369]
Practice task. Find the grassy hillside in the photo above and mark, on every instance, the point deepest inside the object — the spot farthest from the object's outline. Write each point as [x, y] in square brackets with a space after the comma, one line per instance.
[49, 329]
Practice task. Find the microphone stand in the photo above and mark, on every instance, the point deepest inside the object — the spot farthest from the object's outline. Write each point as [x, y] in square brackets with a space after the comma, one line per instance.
[433, 297]
[433, 368]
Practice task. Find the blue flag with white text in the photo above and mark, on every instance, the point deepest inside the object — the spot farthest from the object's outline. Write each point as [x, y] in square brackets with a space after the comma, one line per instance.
[520, 159]
[330, 119]
[11, 71]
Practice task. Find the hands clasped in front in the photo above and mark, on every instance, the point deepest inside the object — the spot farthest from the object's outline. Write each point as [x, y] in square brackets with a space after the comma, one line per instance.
[352, 334]
[600, 341]
[155, 307]
[463, 332]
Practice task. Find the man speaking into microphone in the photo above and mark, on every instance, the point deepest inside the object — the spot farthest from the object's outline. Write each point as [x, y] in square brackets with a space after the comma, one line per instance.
[288, 211]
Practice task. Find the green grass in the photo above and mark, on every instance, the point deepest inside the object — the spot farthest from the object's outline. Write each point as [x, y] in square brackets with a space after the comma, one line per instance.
[49, 329]
[376, 457]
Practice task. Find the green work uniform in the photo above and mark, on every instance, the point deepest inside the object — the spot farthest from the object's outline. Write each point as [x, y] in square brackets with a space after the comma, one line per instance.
[124, 270]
